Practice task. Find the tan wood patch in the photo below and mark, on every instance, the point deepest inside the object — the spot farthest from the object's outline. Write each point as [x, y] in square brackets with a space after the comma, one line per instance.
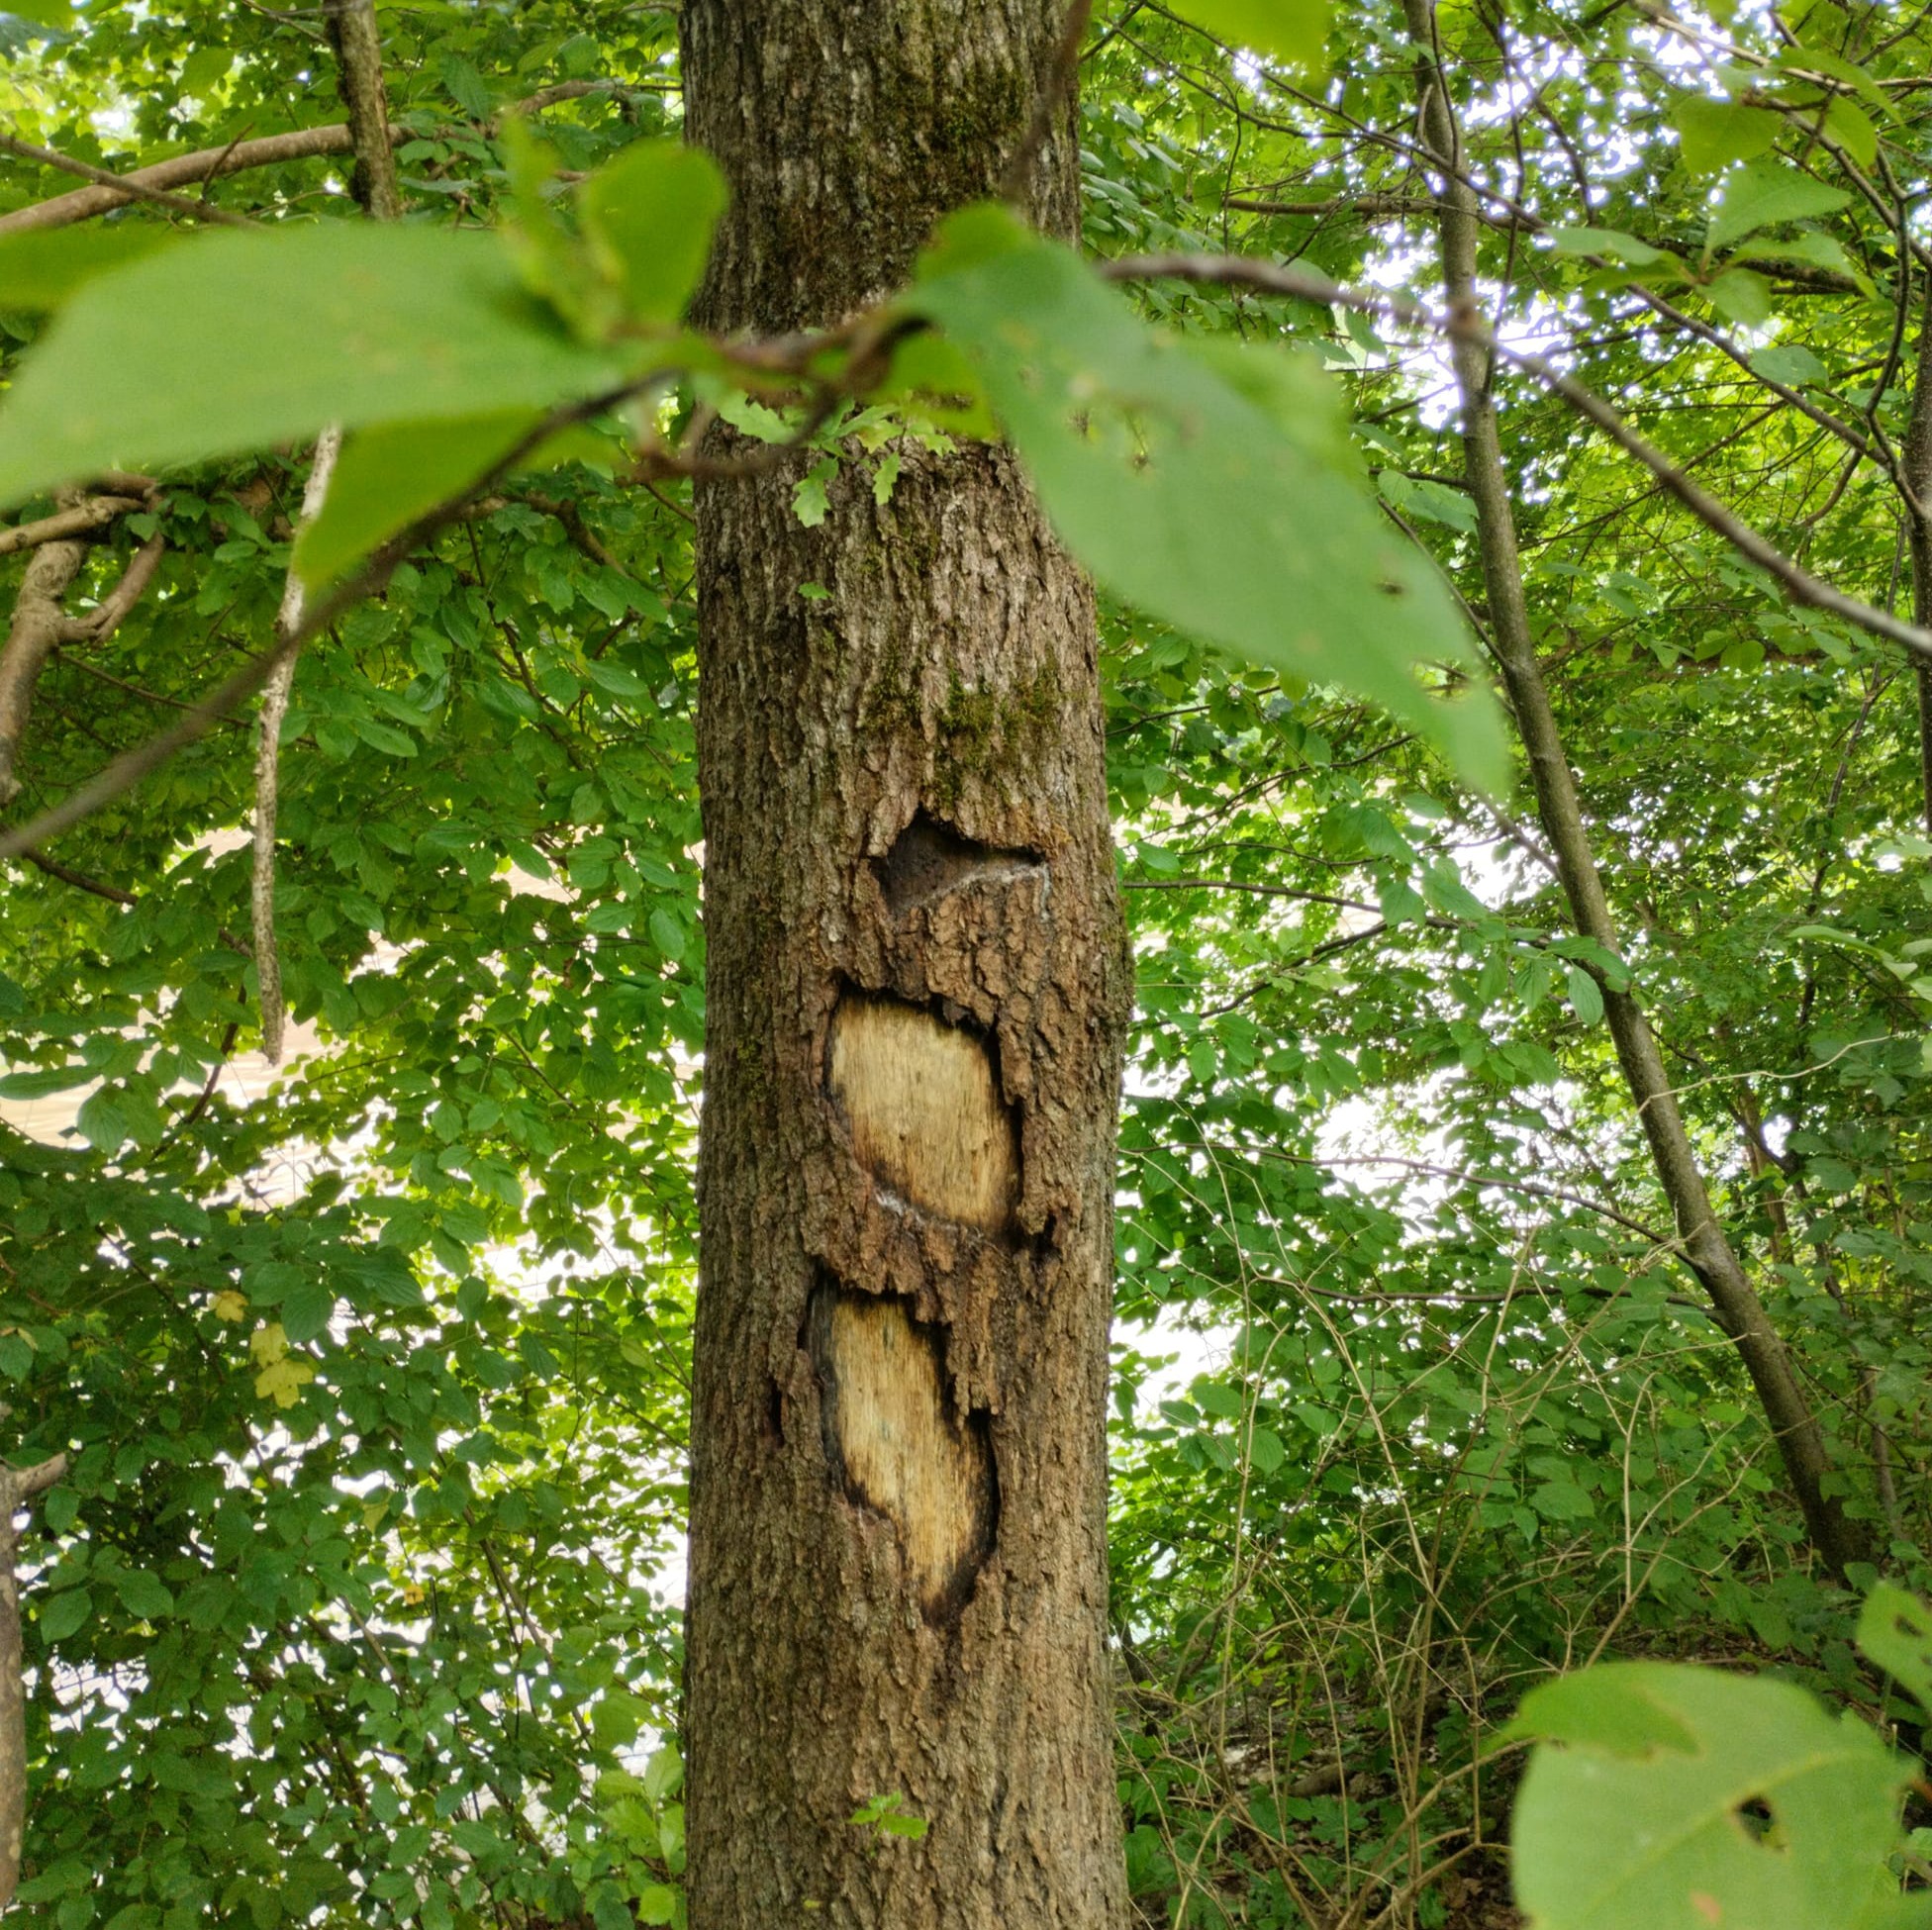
[902, 1452]
[925, 1110]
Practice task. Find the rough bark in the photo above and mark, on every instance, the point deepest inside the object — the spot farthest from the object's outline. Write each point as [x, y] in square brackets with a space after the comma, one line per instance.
[18, 1486]
[353, 33]
[917, 993]
[1707, 1246]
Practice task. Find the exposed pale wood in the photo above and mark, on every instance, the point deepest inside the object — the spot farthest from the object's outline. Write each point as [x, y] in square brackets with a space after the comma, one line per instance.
[924, 1109]
[903, 1450]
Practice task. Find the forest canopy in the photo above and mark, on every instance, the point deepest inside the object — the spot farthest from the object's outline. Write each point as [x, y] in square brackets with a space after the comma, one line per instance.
[1499, 438]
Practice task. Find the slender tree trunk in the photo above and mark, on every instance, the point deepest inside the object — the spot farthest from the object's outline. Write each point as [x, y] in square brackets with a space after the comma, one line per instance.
[18, 1486]
[918, 989]
[1706, 1245]
[1918, 526]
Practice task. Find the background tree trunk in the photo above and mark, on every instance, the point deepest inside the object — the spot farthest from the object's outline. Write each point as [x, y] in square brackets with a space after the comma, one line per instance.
[916, 995]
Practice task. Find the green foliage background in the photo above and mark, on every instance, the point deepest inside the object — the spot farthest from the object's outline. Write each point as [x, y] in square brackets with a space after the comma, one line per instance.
[360, 1604]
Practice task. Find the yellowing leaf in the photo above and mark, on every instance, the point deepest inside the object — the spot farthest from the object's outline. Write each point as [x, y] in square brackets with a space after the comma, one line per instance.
[230, 1306]
[268, 1344]
[282, 1383]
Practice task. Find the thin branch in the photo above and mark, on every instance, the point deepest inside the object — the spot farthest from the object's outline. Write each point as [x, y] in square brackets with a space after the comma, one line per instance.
[96, 513]
[134, 187]
[268, 760]
[1304, 284]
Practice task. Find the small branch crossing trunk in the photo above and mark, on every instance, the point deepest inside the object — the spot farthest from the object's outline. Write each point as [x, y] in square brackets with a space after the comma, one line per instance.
[918, 991]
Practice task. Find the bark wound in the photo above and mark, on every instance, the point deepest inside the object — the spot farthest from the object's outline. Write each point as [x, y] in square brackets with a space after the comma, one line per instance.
[928, 858]
[922, 1101]
[897, 1444]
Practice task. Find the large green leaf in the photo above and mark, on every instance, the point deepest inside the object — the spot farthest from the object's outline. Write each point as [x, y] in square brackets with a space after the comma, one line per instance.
[650, 215]
[42, 268]
[1895, 1631]
[245, 339]
[1676, 1797]
[1216, 487]
[1764, 193]
[1293, 31]
[1713, 133]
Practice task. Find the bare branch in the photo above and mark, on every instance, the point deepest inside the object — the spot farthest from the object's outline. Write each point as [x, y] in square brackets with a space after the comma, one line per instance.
[110, 612]
[96, 513]
[268, 757]
[207, 163]
[136, 188]
[117, 190]
[38, 624]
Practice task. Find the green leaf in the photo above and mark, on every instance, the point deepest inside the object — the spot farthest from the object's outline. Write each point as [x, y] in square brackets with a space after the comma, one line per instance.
[648, 216]
[666, 933]
[1426, 501]
[37, 1084]
[1217, 490]
[1790, 363]
[307, 1311]
[142, 1594]
[1765, 193]
[43, 13]
[1713, 134]
[1640, 1817]
[1227, 1403]
[102, 1121]
[1818, 250]
[467, 88]
[348, 323]
[1292, 31]
[1266, 1450]
[1611, 242]
[1848, 125]
[617, 1717]
[1586, 995]
[64, 1613]
[41, 268]
[1896, 1631]
[1741, 297]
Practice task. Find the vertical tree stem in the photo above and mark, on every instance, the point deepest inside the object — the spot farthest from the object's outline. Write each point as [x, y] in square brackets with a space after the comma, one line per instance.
[1838, 1540]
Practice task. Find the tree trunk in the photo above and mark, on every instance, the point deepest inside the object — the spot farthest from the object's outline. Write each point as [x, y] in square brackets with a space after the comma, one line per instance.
[918, 990]
[1839, 1539]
